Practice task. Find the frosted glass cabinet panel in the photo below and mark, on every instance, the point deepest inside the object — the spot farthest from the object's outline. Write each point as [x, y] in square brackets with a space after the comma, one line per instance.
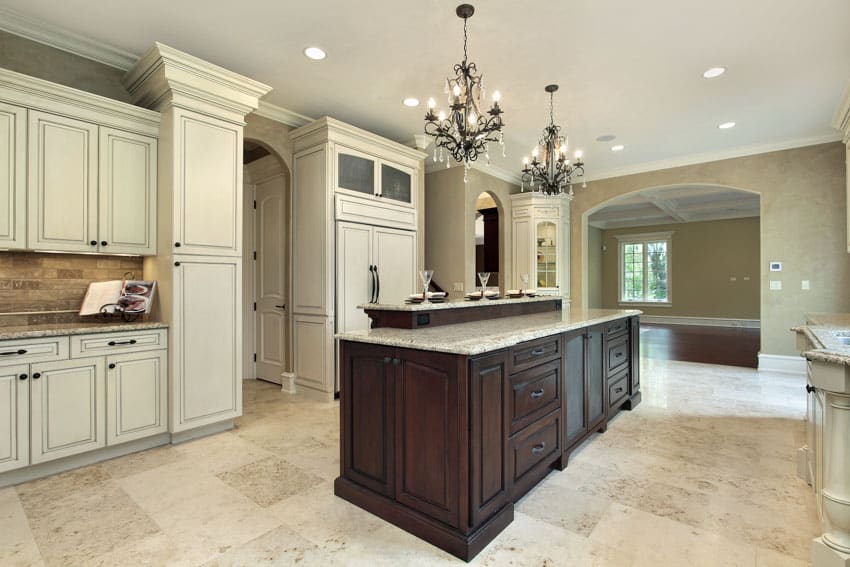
[395, 184]
[356, 173]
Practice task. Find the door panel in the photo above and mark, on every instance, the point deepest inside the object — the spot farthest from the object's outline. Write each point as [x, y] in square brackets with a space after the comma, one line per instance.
[596, 377]
[135, 396]
[62, 195]
[14, 417]
[67, 408]
[354, 279]
[394, 253]
[311, 214]
[13, 176]
[522, 252]
[272, 314]
[207, 385]
[127, 193]
[576, 422]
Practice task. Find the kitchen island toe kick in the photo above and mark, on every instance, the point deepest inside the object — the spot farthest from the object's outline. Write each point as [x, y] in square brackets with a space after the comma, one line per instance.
[443, 429]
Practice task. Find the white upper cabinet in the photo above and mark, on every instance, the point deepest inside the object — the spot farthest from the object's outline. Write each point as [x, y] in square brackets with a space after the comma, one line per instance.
[62, 183]
[364, 175]
[127, 193]
[540, 230]
[13, 179]
[208, 187]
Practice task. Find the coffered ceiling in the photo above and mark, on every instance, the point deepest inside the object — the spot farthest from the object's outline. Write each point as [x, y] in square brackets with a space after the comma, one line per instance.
[630, 69]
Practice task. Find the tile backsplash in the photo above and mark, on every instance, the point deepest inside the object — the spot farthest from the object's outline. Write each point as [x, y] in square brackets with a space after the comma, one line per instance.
[48, 288]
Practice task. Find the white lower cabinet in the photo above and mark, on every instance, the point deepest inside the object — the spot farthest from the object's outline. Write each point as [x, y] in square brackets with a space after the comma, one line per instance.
[14, 417]
[135, 396]
[67, 408]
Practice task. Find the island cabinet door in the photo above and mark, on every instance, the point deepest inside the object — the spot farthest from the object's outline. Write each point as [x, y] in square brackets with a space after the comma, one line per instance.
[489, 430]
[428, 433]
[635, 355]
[368, 416]
[597, 379]
[575, 390]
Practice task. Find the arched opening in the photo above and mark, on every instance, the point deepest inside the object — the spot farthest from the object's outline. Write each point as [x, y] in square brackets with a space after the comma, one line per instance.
[689, 257]
[266, 280]
[487, 234]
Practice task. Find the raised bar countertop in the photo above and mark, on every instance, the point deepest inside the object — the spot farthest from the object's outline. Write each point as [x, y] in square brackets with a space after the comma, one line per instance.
[457, 303]
[489, 335]
[830, 332]
[79, 328]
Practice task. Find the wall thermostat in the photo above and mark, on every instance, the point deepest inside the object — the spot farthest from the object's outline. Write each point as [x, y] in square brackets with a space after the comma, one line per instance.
[776, 266]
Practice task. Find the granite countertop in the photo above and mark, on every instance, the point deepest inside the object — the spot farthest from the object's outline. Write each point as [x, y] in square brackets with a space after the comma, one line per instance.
[826, 331]
[493, 334]
[457, 303]
[80, 328]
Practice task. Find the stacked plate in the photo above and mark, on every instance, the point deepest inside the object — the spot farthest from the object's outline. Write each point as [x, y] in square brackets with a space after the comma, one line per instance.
[433, 297]
[515, 293]
[476, 295]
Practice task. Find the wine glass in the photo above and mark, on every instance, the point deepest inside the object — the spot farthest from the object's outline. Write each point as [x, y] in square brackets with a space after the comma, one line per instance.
[425, 276]
[483, 277]
[524, 278]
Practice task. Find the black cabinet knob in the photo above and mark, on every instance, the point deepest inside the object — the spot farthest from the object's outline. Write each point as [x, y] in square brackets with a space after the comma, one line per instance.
[23, 376]
[103, 243]
[36, 376]
[176, 263]
[93, 242]
[111, 365]
[810, 388]
[177, 245]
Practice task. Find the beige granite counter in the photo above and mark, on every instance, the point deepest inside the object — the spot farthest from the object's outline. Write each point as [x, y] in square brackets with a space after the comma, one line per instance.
[485, 336]
[459, 303]
[830, 333]
[59, 329]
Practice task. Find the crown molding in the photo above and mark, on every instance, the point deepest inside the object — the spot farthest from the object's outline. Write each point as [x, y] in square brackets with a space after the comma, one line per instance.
[49, 34]
[492, 170]
[327, 128]
[841, 120]
[706, 157]
[282, 115]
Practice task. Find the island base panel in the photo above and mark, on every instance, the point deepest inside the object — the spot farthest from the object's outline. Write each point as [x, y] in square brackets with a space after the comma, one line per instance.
[452, 541]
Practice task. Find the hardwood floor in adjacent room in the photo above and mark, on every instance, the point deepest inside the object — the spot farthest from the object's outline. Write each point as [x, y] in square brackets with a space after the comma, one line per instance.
[730, 346]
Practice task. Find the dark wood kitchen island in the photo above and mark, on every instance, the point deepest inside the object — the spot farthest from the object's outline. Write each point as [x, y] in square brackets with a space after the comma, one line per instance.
[444, 427]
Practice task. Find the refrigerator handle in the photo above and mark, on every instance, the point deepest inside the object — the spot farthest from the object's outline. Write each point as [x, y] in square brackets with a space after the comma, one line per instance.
[374, 283]
[378, 287]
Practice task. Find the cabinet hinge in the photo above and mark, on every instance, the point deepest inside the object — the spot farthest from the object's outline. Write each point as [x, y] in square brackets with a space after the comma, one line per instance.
[255, 203]
[255, 306]
[255, 254]
[255, 357]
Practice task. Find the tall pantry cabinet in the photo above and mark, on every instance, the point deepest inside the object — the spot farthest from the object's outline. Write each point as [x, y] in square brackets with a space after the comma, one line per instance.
[199, 257]
[356, 206]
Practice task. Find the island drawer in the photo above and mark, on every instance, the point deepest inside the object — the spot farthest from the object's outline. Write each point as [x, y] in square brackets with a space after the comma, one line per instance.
[26, 351]
[113, 343]
[531, 353]
[533, 450]
[617, 327]
[618, 389]
[534, 393]
[618, 354]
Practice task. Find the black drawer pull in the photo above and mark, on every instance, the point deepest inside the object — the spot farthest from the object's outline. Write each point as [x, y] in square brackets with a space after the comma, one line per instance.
[396, 361]
[116, 343]
[810, 388]
[387, 360]
[537, 352]
[538, 448]
[23, 376]
[177, 245]
[538, 393]
[93, 242]
[111, 365]
[13, 352]
[36, 376]
[618, 390]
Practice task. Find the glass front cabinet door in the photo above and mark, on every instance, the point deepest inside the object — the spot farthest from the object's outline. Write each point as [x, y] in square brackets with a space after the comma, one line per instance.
[547, 256]
[364, 175]
[541, 232]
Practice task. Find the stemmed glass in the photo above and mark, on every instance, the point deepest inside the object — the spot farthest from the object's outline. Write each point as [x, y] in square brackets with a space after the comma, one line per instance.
[483, 277]
[425, 276]
[524, 278]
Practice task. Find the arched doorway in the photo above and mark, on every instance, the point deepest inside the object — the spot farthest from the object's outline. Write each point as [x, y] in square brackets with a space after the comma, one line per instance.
[267, 352]
[487, 249]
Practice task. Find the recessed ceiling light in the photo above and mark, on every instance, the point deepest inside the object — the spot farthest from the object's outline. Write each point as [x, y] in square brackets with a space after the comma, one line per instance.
[606, 138]
[618, 148]
[410, 101]
[714, 72]
[726, 125]
[316, 53]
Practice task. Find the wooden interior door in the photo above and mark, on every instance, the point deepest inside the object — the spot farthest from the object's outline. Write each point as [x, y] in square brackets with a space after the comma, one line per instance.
[271, 279]
[394, 255]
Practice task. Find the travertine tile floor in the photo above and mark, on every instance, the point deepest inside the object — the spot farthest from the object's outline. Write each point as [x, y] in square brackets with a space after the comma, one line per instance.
[702, 473]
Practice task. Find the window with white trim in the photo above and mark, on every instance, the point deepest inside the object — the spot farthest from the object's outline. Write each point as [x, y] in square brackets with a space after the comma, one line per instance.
[645, 267]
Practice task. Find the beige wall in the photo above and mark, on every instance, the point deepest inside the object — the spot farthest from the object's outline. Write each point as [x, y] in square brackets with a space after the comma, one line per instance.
[51, 64]
[594, 267]
[450, 206]
[802, 224]
[704, 256]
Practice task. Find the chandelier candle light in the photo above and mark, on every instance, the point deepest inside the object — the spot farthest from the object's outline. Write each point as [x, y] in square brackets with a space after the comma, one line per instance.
[550, 173]
[465, 132]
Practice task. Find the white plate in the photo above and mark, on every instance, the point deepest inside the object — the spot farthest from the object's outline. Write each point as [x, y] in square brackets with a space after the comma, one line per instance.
[436, 294]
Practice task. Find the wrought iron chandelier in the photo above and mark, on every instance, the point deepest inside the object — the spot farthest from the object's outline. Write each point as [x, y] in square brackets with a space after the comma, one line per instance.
[552, 173]
[465, 132]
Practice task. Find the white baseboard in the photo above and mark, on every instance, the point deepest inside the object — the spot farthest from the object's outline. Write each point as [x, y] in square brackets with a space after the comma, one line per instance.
[288, 382]
[701, 321]
[782, 363]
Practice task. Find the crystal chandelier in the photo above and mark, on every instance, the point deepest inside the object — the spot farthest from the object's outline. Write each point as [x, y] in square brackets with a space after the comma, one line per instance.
[552, 172]
[465, 132]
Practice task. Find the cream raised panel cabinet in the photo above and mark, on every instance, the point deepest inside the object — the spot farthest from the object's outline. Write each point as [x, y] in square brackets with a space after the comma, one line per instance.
[540, 229]
[13, 178]
[136, 402]
[14, 417]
